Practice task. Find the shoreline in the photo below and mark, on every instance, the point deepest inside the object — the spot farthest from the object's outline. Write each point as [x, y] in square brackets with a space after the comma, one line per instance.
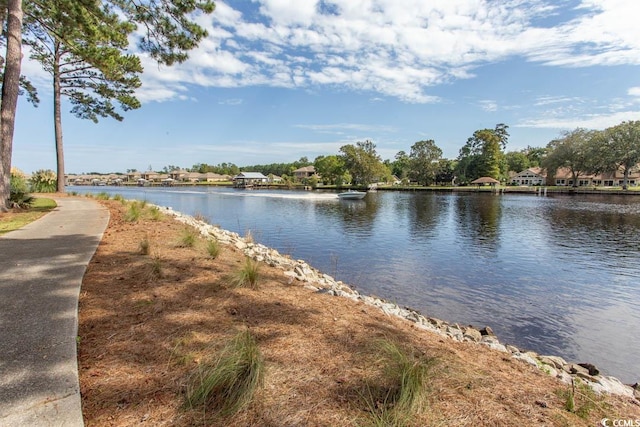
[316, 281]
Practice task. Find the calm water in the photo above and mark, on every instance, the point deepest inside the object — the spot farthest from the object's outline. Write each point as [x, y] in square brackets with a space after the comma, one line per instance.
[557, 275]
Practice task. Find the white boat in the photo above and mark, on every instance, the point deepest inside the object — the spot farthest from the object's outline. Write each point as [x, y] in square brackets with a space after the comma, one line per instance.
[352, 195]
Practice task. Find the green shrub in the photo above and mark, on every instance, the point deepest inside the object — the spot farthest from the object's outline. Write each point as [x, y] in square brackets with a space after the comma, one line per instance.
[44, 181]
[103, 196]
[119, 198]
[228, 385]
[19, 192]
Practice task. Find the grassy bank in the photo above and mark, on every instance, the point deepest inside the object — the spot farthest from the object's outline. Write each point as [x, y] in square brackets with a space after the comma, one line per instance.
[173, 331]
[18, 218]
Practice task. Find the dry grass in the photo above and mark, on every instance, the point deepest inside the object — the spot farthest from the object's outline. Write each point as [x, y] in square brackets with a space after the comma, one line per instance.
[229, 383]
[142, 337]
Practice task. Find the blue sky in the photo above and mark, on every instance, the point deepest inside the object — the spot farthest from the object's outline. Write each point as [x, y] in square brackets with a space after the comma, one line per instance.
[280, 79]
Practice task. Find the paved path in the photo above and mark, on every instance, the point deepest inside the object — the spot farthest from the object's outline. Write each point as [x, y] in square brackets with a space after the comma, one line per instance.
[41, 270]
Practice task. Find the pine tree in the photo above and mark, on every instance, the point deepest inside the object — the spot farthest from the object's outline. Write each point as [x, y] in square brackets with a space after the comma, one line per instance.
[75, 29]
[10, 90]
[82, 44]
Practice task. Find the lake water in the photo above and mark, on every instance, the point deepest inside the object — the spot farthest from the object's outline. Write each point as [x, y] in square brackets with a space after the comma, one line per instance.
[558, 275]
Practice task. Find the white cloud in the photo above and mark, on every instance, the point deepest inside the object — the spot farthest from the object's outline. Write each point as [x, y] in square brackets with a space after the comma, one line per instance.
[634, 91]
[489, 106]
[232, 101]
[342, 127]
[550, 100]
[589, 121]
[398, 49]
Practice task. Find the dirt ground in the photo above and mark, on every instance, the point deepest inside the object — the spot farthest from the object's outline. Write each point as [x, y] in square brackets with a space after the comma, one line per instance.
[146, 322]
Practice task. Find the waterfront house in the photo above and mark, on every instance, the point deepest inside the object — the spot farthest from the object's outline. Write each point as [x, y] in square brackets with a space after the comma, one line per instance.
[215, 177]
[150, 176]
[531, 176]
[563, 177]
[133, 176]
[178, 175]
[274, 178]
[303, 173]
[249, 179]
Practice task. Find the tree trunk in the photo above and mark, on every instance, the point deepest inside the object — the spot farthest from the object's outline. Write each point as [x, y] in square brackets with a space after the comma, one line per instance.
[57, 120]
[625, 181]
[10, 89]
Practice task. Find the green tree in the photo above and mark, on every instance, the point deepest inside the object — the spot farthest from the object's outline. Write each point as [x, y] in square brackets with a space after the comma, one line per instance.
[576, 151]
[330, 168]
[445, 172]
[535, 155]
[423, 161]
[620, 148]
[363, 162]
[400, 166]
[482, 154]
[170, 168]
[517, 161]
[82, 46]
[467, 165]
[169, 27]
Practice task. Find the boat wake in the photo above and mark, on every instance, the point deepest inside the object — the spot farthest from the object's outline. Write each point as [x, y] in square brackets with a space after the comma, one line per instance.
[291, 196]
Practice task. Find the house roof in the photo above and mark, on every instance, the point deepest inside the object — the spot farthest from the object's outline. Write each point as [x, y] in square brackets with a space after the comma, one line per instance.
[250, 175]
[305, 169]
[536, 171]
[485, 180]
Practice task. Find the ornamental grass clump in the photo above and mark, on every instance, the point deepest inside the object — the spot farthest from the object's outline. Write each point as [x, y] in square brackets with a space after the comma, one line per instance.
[248, 276]
[213, 248]
[188, 238]
[404, 387]
[154, 213]
[228, 385]
[580, 399]
[133, 213]
[155, 268]
[145, 246]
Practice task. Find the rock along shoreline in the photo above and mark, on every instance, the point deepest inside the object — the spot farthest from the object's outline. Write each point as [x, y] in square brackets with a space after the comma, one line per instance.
[316, 281]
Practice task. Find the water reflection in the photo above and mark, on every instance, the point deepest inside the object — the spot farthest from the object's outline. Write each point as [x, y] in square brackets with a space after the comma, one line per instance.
[355, 217]
[425, 212]
[478, 220]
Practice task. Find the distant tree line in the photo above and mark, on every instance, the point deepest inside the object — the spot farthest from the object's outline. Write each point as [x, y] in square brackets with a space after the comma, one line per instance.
[580, 151]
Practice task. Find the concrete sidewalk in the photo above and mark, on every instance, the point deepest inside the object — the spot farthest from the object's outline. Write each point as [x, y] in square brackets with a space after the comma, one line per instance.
[41, 270]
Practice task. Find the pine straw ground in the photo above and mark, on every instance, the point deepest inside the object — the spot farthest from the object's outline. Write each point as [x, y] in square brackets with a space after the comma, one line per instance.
[142, 337]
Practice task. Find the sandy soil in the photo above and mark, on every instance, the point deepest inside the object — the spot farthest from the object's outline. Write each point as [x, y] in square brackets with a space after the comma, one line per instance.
[147, 321]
